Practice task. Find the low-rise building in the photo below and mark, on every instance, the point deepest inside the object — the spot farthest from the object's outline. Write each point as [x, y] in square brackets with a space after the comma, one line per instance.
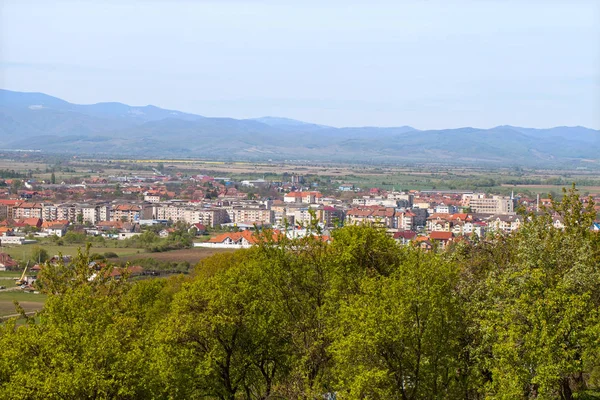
[504, 223]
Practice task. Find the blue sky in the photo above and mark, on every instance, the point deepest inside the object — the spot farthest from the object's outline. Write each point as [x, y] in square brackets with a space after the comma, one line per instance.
[425, 63]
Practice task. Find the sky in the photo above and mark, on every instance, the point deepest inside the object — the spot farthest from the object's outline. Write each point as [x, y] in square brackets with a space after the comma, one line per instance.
[425, 63]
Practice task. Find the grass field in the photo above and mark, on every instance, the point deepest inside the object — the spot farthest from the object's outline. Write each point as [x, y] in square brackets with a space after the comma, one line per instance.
[23, 252]
[192, 255]
[9, 274]
[29, 301]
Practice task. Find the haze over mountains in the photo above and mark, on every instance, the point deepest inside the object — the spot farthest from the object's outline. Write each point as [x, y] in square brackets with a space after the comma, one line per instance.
[41, 122]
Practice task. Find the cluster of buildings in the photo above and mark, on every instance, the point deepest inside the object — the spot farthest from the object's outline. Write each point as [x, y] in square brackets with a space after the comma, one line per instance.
[98, 205]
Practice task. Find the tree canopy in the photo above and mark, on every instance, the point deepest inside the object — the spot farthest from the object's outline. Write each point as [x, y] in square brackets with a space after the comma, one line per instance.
[509, 317]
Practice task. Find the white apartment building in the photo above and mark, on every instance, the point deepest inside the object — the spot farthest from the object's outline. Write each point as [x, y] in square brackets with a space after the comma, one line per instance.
[250, 215]
[445, 209]
[90, 213]
[191, 215]
[152, 198]
[375, 201]
[481, 204]
[406, 198]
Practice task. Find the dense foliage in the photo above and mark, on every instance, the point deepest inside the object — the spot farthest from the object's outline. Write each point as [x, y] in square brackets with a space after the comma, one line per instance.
[512, 317]
[149, 239]
[6, 174]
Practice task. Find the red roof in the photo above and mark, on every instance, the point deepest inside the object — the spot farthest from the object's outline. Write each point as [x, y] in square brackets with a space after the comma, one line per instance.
[303, 194]
[251, 237]
[7, 261]
[127, 207]
[133, 270]
[440, 235]
[408, 235]
[31, 222]
[28, 205]
[200, 227]
[48, 224]
[233, 236]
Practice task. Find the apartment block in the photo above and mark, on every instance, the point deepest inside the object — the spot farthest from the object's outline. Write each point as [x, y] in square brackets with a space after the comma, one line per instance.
[28, 210]
[481, 204]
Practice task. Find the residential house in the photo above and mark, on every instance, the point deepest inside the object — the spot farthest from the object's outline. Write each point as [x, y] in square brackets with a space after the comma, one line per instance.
[442, 238]
[199, 228]
[374, 215]
[557, 222]
[504, 223]
[405, 237]
[57, 229]
[7, 263]
[243, 239]
[6, 231]
[33, 222]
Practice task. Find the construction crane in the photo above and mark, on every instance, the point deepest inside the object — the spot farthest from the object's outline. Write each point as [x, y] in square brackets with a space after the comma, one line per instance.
[22, 280]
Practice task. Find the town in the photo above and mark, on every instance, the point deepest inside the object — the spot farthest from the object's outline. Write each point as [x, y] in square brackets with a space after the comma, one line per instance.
[216, 209]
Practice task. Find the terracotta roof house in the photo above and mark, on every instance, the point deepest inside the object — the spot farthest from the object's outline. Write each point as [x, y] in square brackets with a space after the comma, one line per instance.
[243, 239]
[200, 228]
[6, 262]
[133, 270]
[443, 238]
[234, 239]
[405, 237]
[440, 236]
[6, 231]
[35, 222]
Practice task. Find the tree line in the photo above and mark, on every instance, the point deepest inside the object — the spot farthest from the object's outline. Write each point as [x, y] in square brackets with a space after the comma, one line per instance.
[509, 317]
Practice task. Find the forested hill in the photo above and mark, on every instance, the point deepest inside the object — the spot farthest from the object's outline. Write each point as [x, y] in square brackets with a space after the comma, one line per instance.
[509, 317]
[41, 122]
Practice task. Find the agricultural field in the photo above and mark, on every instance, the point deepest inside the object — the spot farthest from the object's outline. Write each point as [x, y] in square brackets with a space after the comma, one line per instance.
[328, 176]
[192, 256]
[29, 301]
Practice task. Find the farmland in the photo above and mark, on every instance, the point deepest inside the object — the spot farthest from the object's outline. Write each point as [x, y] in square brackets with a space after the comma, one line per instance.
[29, 301]
[327, 175]
[191, 256]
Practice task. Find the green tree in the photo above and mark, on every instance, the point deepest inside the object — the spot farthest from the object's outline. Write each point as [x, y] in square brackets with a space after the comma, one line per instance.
[39, 254]
[87, 342]
[539, 320]
[225, 337]
[398, 338]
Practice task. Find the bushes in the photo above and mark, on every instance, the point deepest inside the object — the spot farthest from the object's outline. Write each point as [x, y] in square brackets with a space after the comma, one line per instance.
[151, 264]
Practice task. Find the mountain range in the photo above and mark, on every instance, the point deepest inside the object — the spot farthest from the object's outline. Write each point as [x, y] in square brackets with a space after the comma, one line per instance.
[38, 121]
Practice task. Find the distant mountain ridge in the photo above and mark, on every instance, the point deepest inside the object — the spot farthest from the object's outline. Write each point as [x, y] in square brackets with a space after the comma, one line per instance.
[42, 122]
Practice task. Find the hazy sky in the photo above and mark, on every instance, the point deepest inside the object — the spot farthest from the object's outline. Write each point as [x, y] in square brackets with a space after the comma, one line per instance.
[425, 63]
